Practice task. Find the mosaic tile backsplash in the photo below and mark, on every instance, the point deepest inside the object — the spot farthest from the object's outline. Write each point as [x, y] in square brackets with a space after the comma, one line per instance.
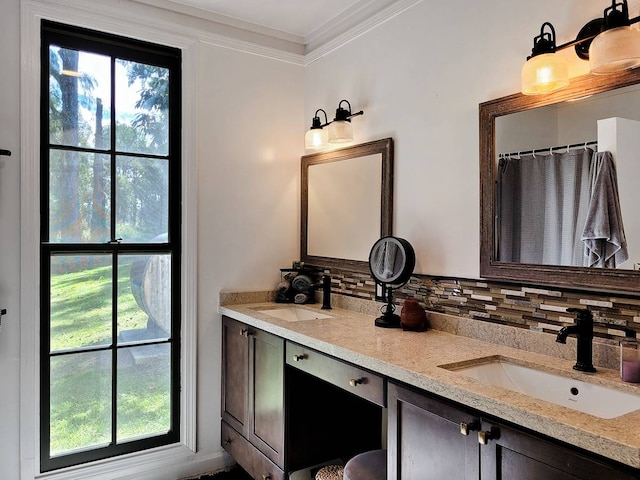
[531, 307]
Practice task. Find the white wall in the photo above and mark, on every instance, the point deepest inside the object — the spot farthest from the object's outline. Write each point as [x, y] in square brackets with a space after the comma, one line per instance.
[10, 236]
[527, 130]
[419, 77]
[621, 137]
[250, 139]
[248, 143]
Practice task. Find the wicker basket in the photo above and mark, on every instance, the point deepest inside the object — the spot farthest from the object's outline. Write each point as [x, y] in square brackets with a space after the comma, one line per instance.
[330, 472]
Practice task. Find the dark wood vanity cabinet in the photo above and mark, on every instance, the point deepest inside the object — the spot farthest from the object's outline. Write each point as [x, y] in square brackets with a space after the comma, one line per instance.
[286, 407]
[280, 416]
[425, 440]
[253, 399]
[355, 380]
[430, 439]
[516, 454]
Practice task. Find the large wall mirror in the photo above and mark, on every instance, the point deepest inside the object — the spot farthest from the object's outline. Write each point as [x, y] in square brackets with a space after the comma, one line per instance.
[346, 204]
[559, 185]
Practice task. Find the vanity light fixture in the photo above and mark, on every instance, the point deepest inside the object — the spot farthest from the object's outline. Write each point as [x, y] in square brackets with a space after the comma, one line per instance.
[617, 48]
[609, 43]
[317, 137]
[339, 130]
[544, 71]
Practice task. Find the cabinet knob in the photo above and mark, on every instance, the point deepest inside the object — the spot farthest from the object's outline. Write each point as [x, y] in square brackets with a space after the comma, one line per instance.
[466, 427]
[484, 436]
[226, 442]
[297, 358]
[354, 382]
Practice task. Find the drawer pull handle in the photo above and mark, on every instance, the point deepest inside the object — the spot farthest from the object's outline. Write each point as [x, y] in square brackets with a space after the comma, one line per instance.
[484, 436]
[226, 442]
[354, 382]
[466, 427]
[297, 358]
[244, 332]
[266, 477]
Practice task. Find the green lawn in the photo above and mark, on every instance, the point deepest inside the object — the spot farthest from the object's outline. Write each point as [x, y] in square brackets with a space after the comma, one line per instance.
[81, 306]
[81, 383]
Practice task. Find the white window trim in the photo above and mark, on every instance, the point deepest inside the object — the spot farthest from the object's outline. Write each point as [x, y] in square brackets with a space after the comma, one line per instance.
[154, 460]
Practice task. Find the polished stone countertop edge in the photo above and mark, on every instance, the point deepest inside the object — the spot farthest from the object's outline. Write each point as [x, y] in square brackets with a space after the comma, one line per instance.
[413, 358]
[605, 352]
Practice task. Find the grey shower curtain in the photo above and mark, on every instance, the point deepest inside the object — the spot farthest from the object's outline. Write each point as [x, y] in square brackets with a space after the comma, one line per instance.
[542, 205]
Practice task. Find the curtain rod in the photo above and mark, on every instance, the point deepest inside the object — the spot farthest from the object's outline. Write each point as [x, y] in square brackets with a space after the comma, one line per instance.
[548, 149]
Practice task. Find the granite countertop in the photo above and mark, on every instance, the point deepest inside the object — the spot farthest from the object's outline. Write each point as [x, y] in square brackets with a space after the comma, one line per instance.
[415, 358]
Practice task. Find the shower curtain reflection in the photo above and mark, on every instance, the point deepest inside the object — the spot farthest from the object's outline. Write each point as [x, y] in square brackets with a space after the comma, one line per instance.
[543, 201]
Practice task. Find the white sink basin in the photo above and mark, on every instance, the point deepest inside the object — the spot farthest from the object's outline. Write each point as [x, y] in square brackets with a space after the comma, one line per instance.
[294, 314]
[597, 400]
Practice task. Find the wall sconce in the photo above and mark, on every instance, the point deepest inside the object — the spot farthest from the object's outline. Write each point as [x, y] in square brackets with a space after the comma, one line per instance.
[544, 71]
[609, 43]
[317, 137]
[339, 130]
[617, 48]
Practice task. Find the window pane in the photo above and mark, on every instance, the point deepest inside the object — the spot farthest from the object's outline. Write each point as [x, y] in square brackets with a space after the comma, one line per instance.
[80, 401]
[144, 298]
[81, 301]
[142, 199]
[107, 246]
[142, 108]
[79, 98]
[144, 398]
[79, 196]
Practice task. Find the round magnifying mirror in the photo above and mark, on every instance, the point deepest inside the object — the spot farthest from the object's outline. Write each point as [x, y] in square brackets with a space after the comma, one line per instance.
[391, 262]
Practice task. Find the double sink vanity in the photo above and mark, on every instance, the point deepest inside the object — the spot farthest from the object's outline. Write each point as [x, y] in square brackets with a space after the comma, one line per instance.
[303, 386]
[467, 399]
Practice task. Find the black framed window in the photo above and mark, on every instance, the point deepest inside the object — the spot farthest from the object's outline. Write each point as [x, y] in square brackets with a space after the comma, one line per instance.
[110, 245]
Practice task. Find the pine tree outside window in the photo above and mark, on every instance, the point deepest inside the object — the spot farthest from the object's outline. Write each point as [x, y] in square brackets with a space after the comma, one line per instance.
[110, 246]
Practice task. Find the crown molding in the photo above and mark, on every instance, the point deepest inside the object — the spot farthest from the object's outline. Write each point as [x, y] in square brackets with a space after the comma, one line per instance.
[325, 42]
[346, 21]
[143, 14]
[235, 34]
[217, 18]
[249, 37]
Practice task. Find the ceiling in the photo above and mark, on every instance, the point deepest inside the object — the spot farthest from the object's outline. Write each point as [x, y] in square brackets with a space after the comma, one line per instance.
[297, 17]
[298, 25]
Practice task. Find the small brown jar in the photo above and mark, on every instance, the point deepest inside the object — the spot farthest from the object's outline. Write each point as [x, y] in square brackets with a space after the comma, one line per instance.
[412, 316]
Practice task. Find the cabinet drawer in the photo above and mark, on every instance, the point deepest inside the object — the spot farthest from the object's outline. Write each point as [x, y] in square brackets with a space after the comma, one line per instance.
[362, 383]
[248, 456]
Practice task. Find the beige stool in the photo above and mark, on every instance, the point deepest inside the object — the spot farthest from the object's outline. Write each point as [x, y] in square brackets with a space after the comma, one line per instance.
[330, 472]
[367, 466]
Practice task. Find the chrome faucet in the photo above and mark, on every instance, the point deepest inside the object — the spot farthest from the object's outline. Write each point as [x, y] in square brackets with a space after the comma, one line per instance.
[583, 330]
[326, 291]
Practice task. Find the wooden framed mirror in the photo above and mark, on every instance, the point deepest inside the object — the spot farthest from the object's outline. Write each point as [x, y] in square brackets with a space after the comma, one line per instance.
[346, 204]
[501, 124]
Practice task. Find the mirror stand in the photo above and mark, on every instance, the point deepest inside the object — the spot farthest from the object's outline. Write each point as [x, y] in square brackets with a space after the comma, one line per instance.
[391, 262]
[388, 319]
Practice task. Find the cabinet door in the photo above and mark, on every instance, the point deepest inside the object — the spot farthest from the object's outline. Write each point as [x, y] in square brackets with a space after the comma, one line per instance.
[426, 440]
[235, 374]
[266, 394]
[248, 457]
[513, 454]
